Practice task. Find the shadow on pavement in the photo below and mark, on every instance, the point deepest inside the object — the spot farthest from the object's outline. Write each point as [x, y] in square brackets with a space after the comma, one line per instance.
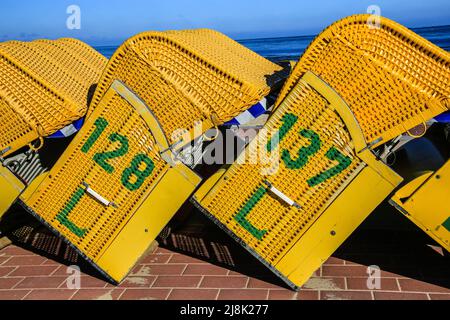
[386, 239]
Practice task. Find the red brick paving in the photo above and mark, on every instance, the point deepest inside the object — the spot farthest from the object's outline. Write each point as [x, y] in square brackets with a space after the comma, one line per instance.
[145, 294]
[91, 282]
[346, 295]
[9, 283]
[13, 294]
[24, 261]
[439, 296]
[97, 294]
[50, 294]
[414, 285]
[31, 271]
[239, 294]
[137, 282]
[325, 283]
[282, 295]
[205, 269]
[156, 258]
[178, 281]
[41, 282]
[260, 284]
[225, 282]
[194, 294]
[168, 275]
[400, 296]
[4, 271]
[390, 284]
[308, 295]
[360, 271]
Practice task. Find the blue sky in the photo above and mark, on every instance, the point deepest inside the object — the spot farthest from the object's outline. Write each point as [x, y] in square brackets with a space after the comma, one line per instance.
[112, 21]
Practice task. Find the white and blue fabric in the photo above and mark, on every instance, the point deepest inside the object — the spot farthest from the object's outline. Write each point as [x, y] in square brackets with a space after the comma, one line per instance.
[443, 117]
[250, 114]
[68, 130]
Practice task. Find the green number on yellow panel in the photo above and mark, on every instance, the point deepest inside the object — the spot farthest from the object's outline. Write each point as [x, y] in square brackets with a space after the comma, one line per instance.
[289, 120]
[102, 158]
[132, 177]
[63, 216]
[334, 155]
[446, 224]
[305, 152]
[135, 172]
[100, 126]
[241, 216]
[303, 156]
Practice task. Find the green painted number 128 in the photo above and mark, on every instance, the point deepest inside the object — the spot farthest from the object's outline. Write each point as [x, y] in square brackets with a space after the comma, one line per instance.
[102, 158]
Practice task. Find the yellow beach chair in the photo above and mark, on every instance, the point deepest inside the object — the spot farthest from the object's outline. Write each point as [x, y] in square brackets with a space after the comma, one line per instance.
[318, 176]
[424, 70]
[44, 86]
[424, 201]
[119, 182]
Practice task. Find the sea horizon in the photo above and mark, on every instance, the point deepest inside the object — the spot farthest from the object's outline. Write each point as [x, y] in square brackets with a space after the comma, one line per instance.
[291, 47]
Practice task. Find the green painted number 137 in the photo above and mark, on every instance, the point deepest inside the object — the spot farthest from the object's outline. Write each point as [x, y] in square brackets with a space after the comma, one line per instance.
[303, 156]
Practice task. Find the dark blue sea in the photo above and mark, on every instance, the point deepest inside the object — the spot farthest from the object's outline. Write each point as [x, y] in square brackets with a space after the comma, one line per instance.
[277, 49]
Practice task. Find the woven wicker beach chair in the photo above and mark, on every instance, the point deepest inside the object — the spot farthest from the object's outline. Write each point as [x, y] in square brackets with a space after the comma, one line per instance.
[119, 183]
[44, 86]
[317, 178]
[409, 85]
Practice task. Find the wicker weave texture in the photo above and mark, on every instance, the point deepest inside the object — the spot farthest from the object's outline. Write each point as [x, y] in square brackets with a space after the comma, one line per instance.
[189, 76]
[392, 79]
[123, 136]
[13, 128]
[46, 84]
[313, 128]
